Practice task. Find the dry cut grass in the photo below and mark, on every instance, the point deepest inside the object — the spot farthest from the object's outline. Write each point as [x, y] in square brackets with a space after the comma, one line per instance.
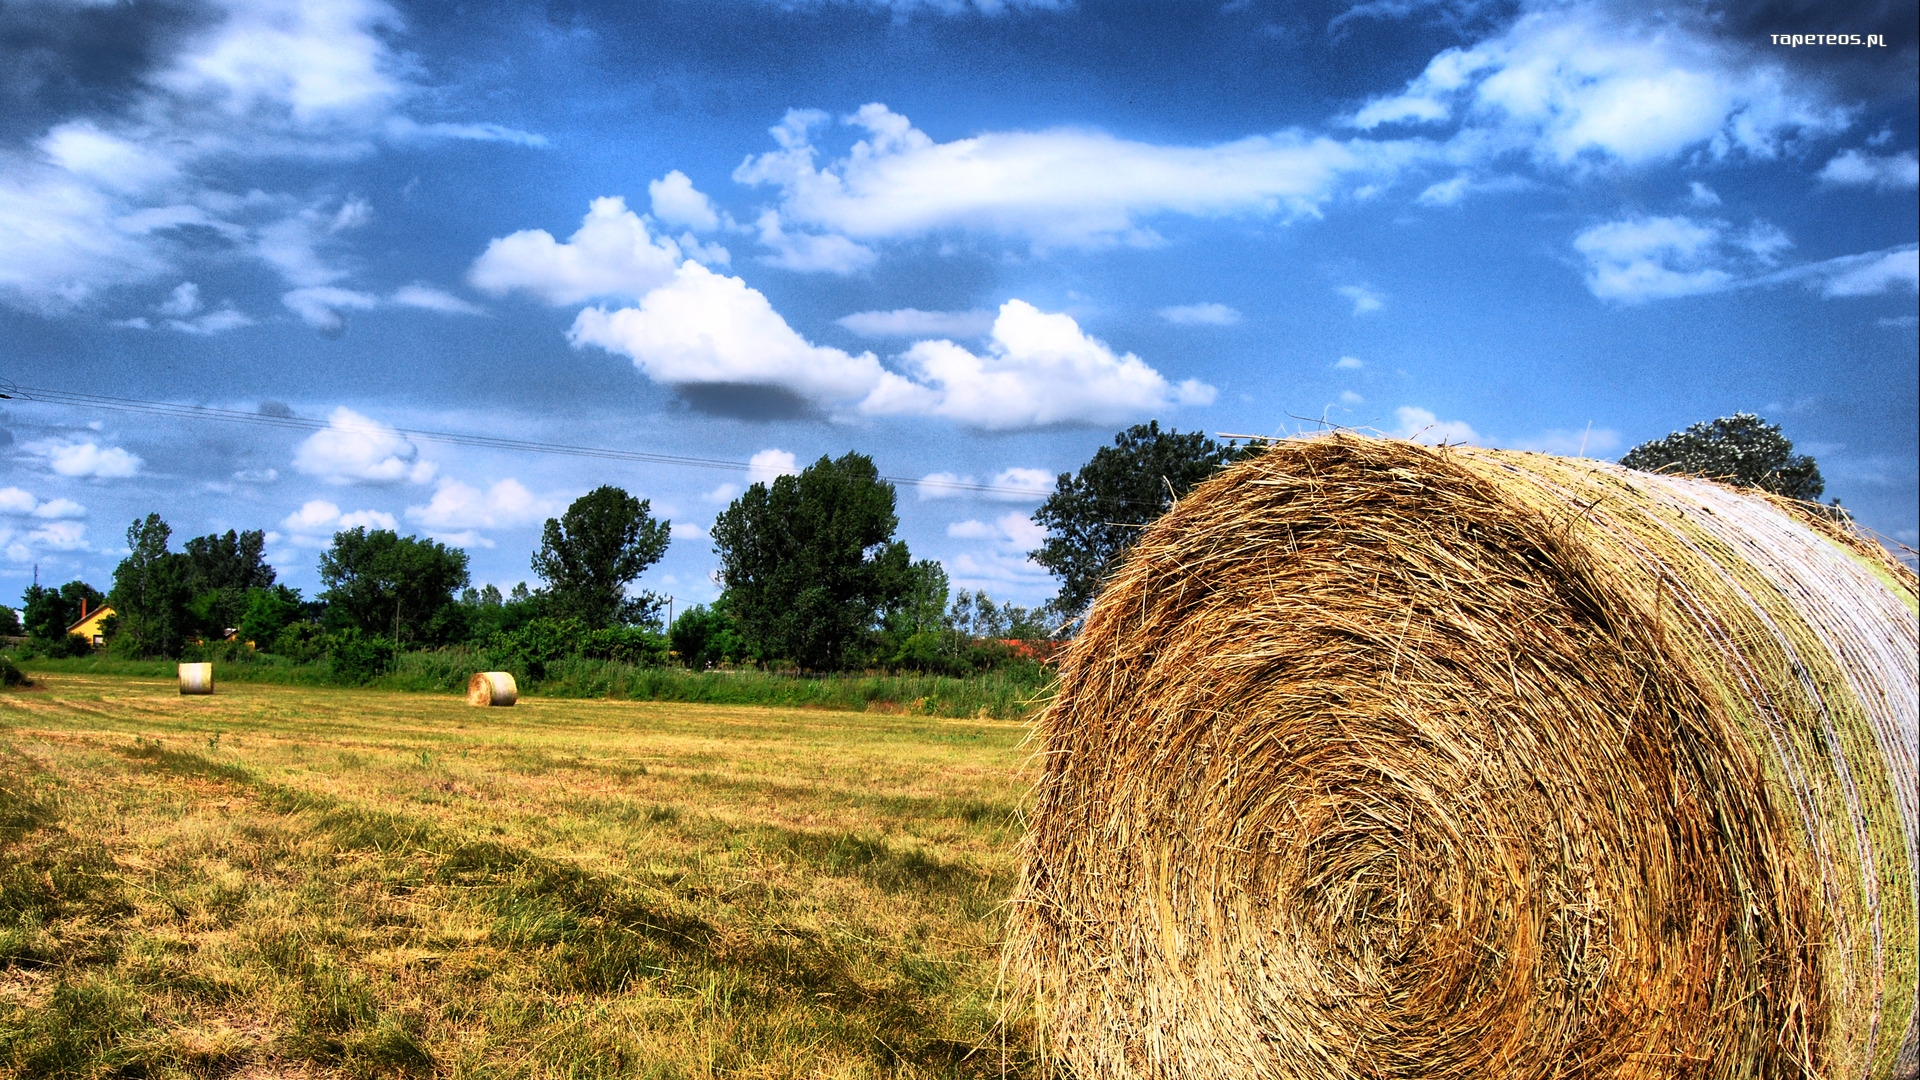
[298, 882]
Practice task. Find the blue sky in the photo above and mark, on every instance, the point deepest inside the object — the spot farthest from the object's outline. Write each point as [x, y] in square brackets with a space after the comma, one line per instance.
[969, 239]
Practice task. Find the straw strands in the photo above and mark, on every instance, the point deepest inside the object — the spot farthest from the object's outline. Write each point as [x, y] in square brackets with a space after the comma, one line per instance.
[1377, 760]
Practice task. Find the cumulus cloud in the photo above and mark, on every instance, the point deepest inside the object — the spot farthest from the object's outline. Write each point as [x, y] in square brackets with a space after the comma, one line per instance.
[1349, 363]
[461, 506]
[85, 459]
[1701, 195]
[1364, 298]
[20, 502]
[324, 307]
[55, 509]
[771, 464]
[1869, 274]
[1857, 168]
[912, 322]
[703, 328]
[1009, 485]
[61, 536]
[677, 202]
[1060, 188]
[1574, 83]
[807, 252]
[15, 500]
[612, 253]
[317, 520]
[1200, 315]
[354, 449]
[706, 329]
[1039, 369]
[1000, 562]
[1423, 426]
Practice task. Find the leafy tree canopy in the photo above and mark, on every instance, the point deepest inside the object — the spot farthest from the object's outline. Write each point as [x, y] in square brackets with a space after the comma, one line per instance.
[152, 588]
[810, 561]
[49, 611]
[1094, 515]
[379, 582]
[1740, 449]
[590, 554]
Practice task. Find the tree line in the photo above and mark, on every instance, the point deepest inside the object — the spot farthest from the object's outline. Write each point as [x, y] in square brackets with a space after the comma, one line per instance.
[812, 575]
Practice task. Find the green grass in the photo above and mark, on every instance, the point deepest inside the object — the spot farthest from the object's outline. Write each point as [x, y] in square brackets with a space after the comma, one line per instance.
[1010, 693]
[311, 881]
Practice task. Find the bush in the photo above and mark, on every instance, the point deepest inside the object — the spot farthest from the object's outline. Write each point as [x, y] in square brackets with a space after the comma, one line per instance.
[627, 645]
[356, 659]
[11, 675]
[301, 642]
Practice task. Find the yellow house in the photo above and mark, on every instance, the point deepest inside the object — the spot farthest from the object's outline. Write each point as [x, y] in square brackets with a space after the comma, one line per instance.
[89, 625]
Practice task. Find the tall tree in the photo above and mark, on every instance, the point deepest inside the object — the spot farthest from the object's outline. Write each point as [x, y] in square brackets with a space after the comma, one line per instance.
[385, 584]
[221, 571]
[590, 554]
[1093, 516]
[810, 561]
[152, 588]
[49, 611]
[1741, 449]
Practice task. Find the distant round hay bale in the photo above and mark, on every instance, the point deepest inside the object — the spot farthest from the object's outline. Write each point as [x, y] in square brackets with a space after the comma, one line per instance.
[1376, 760]
[492, 688]
[196, 678]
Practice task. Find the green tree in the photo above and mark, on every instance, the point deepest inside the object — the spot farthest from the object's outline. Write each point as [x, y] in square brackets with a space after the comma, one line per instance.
[810, 561]
[590, 554]
[705, 635]
[152, 588]
[49, 611]
[221, 572]
[922, 604]
[1093, 516]
[268, 611]
[402, 588]
[1741, 449]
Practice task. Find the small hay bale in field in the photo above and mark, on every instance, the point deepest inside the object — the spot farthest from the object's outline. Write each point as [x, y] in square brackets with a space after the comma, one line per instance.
[492, 688]
[1376, 760]
[196, 678]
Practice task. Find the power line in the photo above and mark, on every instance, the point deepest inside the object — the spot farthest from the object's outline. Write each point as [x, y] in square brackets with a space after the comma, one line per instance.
[489, 442]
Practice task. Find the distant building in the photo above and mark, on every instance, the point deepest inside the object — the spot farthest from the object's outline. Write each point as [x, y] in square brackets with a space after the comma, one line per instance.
[89, 625]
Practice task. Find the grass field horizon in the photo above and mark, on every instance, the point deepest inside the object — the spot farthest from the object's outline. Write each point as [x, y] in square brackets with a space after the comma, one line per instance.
[313, 881]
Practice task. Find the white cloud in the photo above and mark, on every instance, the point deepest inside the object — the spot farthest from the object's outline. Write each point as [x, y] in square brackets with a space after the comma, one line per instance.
[770, 464]
[808, 253]
[54, 509]
[1423, 426]
[314, 62]
[15, 500]
[421, 295]
[912, 322]
[1010, 485]
[722, 493]
[1039, 369]
[1013, 529]
[1856, 168]
[354, 449]
[184, 301]
[1064, 187]
[1572, 83]
[705, 328]
[1200, 315]
[1641, 259]
[61, 535]
[317, 520]
[1701, 195]
[1867, 275]
[460, 506]
[972, 530]
[677, 202]
[257, 476]
[687, 530]
[1364, 298]
[611, 254]
[1654, 258]
[324, 307]
[1349, 363]
[1348, 397]
[85, 459]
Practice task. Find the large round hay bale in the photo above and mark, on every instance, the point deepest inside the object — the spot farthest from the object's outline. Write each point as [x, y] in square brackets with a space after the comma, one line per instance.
[1376, 760]
[492, 688]
[196, 678]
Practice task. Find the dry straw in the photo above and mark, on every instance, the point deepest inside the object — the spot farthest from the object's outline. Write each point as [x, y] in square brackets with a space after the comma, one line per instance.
[1377, 760]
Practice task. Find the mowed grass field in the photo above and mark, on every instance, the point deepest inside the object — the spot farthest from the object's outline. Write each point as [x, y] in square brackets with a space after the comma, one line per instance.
[293, 882]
